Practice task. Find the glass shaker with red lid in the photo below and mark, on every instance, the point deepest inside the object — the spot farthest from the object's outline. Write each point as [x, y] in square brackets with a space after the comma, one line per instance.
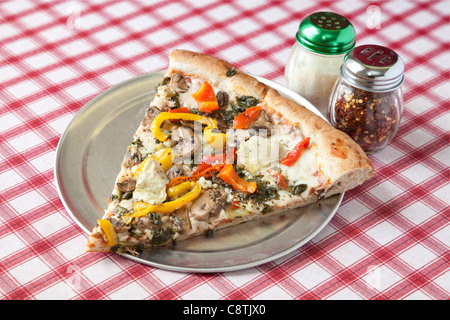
[367, 100]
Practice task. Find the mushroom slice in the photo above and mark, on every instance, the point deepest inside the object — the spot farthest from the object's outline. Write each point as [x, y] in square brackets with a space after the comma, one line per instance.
[262, 125]
[178, 83]
[132, 157]
[174, 171]
[126, 185]
[222, 99]
[150, 114]
[186, 142]
[208, 204]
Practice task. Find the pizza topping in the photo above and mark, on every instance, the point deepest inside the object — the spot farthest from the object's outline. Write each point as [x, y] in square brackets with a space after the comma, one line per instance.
[164, 157]
[207, 173]
[109, 231]
[142, 208]
[258, 153]
[231, 72]
[178, 83]
[132, 157]
[281, 181]
[208, 204]
[262, 125]
[206, 98]
[174, 171]
[305, 171]
[244, 119]
[244, 102]
[292, 156]
[215, 138]
[162, 236]
[222, 99]
[166, 98]
[298, 188]
[186, 142]
[151, 113]
[151, 184]
[158, 121]
[230, 176]
[126, 185]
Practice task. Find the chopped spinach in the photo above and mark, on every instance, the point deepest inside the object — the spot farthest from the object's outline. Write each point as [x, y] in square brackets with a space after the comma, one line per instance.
[244, 102]
[228, 116]
[175, 99]
[127, 195]
[298, 188]
[137, 143]
[114, 197]
[155, 218]
[196, 111]
[119, 210]
[162, 235]
[264, 191]
[209, 233]
[231, 72]
[165, 81]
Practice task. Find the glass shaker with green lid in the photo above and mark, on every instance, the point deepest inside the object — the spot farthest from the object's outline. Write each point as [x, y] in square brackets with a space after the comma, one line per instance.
[323, 39]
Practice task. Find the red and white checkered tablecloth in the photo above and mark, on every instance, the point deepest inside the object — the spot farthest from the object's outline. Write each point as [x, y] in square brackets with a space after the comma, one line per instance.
[389, 239]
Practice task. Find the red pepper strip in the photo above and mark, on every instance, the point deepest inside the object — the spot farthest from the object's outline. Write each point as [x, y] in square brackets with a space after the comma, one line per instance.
[234, 205]
[220, 158]
[179, 110]
[205, 173]
[230, 176]
[213, 158]
[201, 167]
[243, 120]
[281, 182]
[292, 156]
[206, 98]
[231, 156]
[209, 106]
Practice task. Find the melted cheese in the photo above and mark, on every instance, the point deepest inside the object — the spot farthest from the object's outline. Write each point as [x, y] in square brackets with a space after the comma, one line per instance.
[258, 153]
[149, 142]
[304, 170]
[151, 184]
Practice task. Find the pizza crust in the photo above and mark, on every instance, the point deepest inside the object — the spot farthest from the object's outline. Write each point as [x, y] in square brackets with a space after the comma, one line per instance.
[214, 70]
[341, 160]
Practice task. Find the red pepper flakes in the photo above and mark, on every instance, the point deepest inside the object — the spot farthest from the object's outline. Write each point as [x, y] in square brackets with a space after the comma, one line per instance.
[369, 118]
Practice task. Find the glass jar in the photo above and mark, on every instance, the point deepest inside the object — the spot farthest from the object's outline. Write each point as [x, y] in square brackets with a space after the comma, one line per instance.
[367, 100]
[323, 39]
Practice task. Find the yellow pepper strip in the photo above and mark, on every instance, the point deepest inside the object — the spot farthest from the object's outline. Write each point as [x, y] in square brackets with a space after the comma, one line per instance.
[217, 139]
[176, 191]
[109, 231]
[157, 122]
[163, 156]
[142, 208]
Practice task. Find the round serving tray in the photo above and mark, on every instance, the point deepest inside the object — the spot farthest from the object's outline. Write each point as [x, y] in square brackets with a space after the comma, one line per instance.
[88, 159]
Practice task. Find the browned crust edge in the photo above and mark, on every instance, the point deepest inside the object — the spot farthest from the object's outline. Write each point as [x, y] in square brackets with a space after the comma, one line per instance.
[214, 70]
[342, 160]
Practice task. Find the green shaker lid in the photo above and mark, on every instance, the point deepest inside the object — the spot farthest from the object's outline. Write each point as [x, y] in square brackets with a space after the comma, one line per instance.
[326, 33]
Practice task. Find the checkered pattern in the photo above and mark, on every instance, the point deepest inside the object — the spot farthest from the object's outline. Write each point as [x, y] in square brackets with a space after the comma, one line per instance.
[389, 239]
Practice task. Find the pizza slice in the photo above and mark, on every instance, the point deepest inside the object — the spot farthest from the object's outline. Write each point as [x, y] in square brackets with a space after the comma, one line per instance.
[217, 148]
